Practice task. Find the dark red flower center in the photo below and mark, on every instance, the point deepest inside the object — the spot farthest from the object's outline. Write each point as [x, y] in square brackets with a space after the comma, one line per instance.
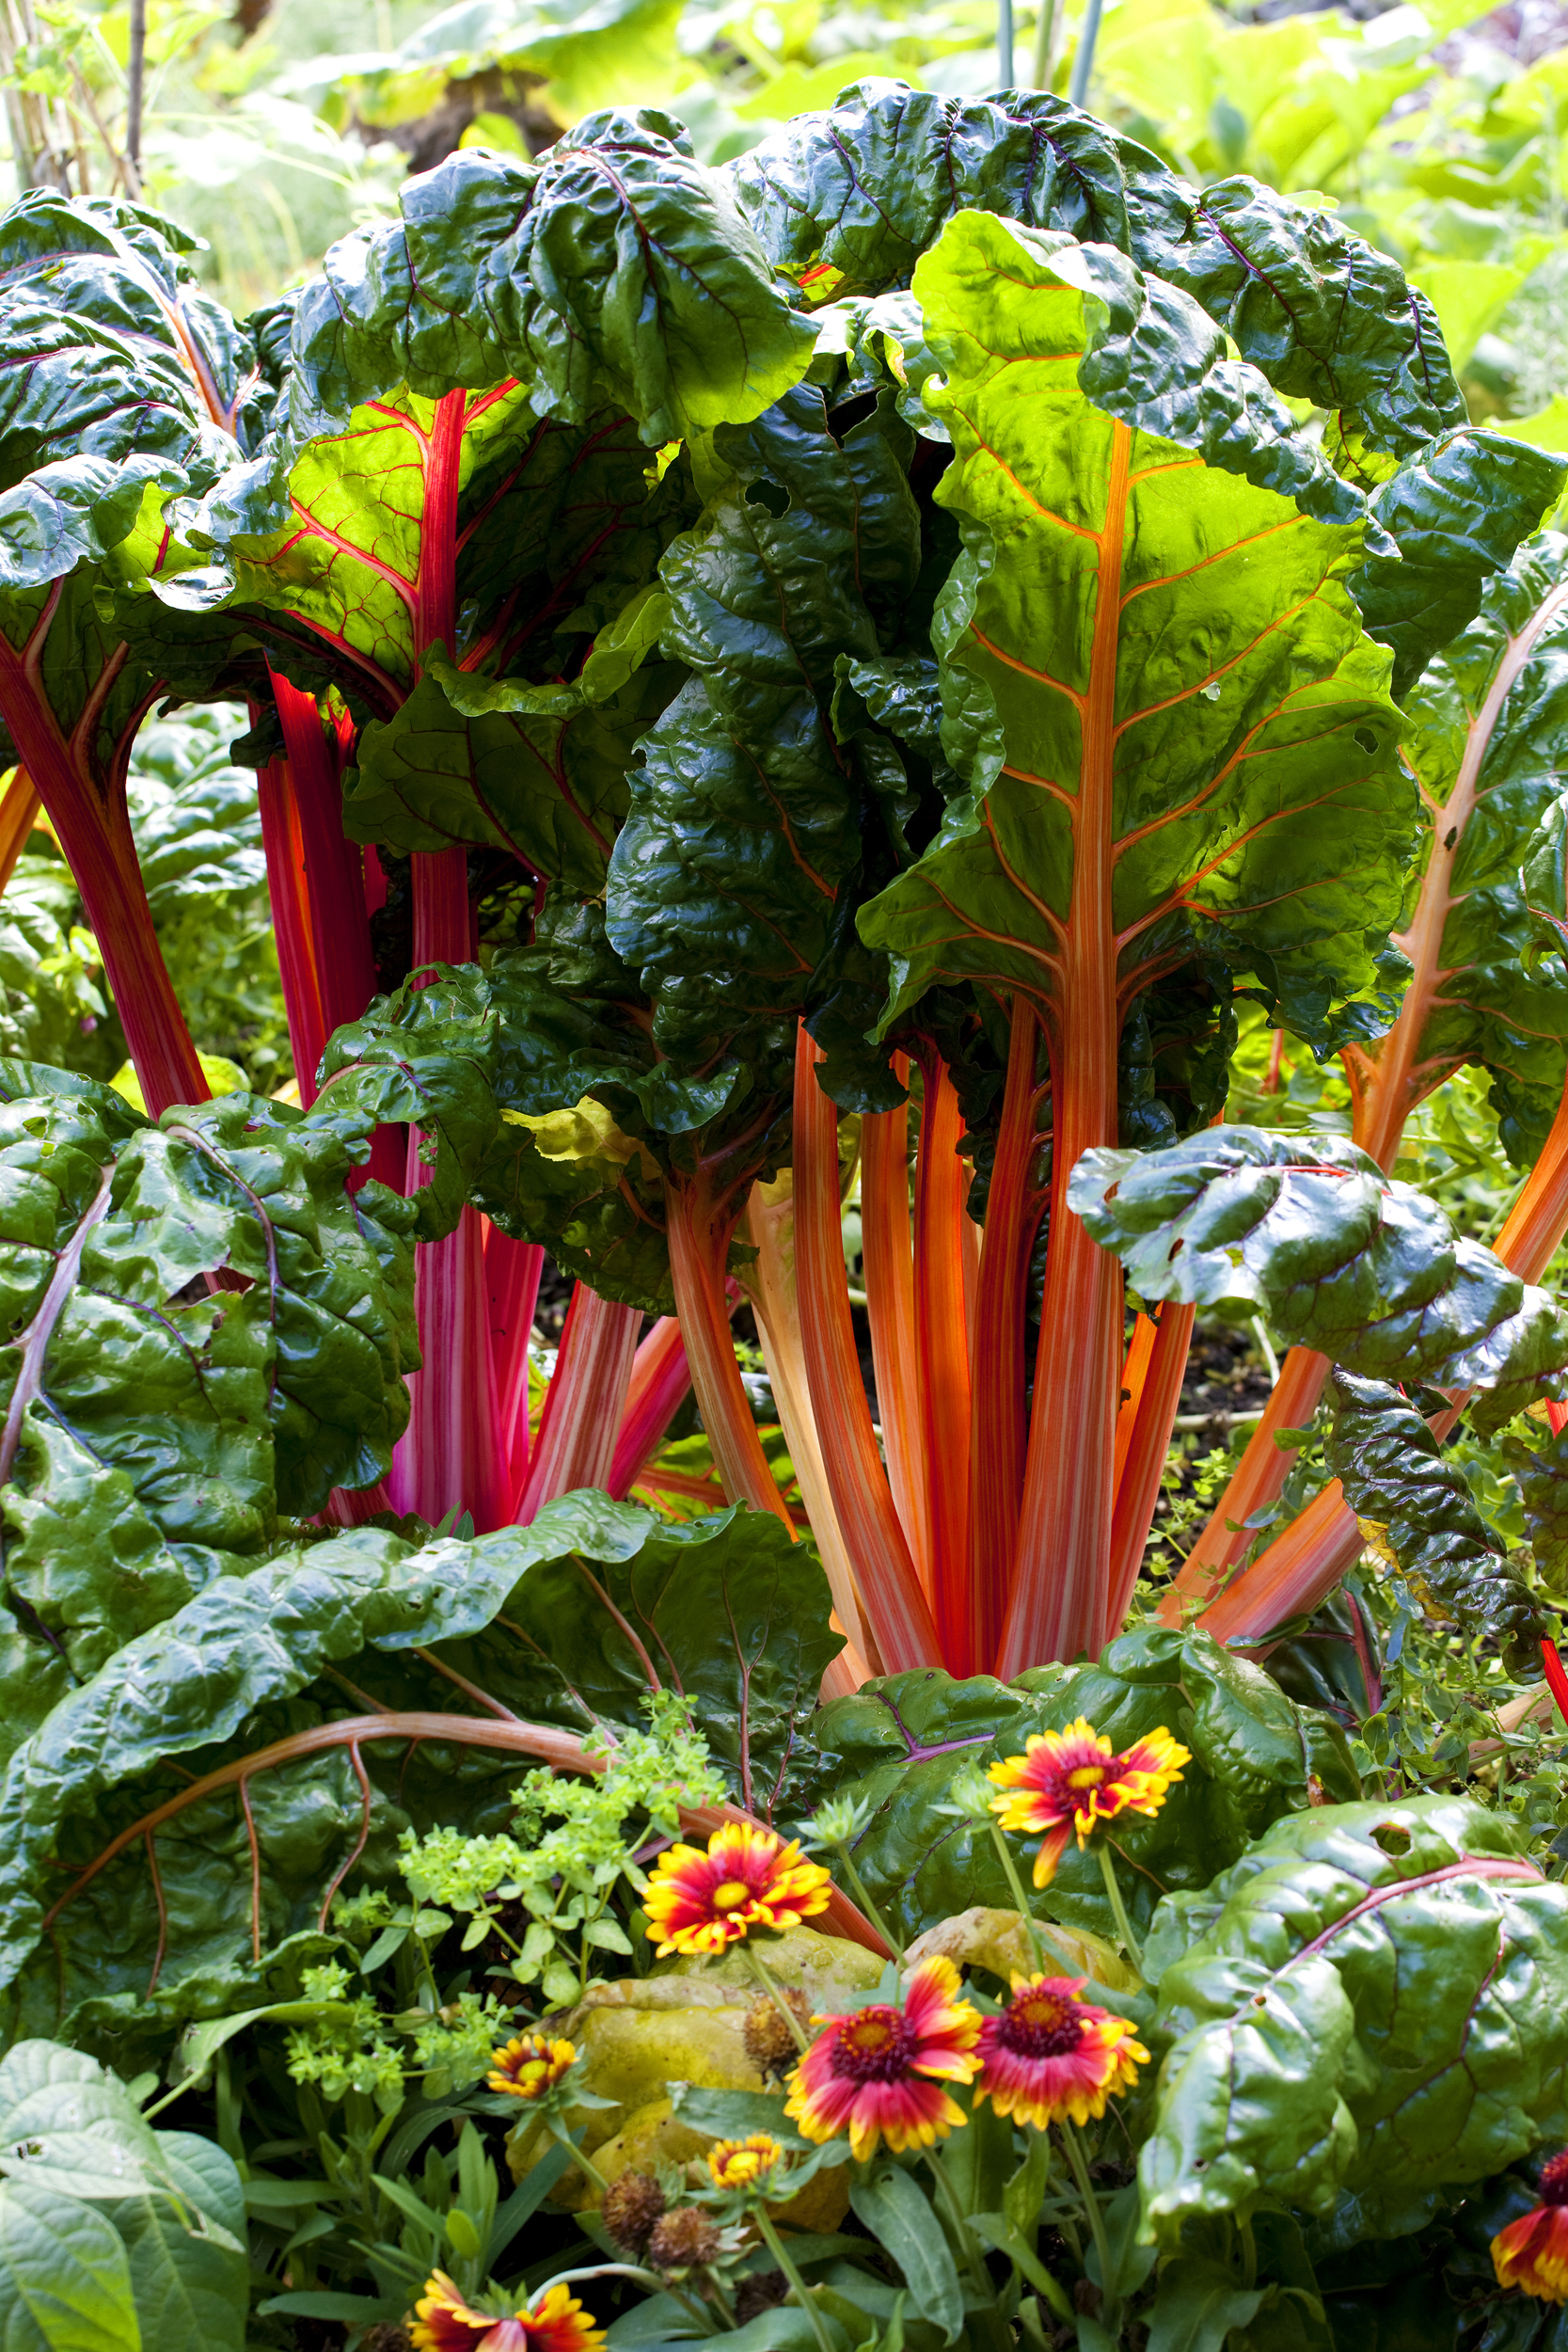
[1039, 2025]
[875, 2046]
[1554, 2181]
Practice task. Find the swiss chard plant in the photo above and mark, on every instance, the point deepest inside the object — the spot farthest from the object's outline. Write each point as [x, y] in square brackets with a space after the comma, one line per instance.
[854, 666]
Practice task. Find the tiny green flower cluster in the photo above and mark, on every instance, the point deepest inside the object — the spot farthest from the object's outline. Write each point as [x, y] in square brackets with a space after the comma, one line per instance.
[545, 1892]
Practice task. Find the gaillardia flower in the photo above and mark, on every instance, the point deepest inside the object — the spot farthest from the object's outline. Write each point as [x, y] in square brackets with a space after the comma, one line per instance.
[1532, 2252]
[556, 2323]
[878, 2072]
[530, 2064]
[1049, 2054]
[748, 1878]
[1072, 1779]
[741, 2163]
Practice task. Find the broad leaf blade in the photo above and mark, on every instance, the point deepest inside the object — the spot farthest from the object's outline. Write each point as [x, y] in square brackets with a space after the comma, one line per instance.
[1416, 1509]
[1340, 1257]
[1295, 2072]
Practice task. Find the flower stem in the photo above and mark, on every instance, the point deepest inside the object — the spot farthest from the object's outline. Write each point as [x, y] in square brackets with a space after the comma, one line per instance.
[775, 2246]
[857, 1888]
[1118, 1910]
[1073, 2146]
[585, 2163]
[774, 1990]
[654, 2280]
[1011, 1868]
[948, 2200]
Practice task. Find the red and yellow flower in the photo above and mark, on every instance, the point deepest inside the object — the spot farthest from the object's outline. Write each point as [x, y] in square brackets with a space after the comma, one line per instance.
[742, 2163]
[554, 2323]
[1050, 2054]
[878, 2072]
[748, 1878]
[1532, 2252]
[1073, 1779]
[530, 2064]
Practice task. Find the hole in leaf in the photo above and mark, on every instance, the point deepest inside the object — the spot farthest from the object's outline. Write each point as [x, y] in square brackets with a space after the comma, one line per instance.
[1392, 1836]
[1367, 739]
[769, 494]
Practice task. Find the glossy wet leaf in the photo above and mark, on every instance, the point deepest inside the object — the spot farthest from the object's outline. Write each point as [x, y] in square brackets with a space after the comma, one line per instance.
[807, 555]
[1340, 1257]
[565, 1621]
[616, 268]
[849, 198]
[899, 1744]
[1370, 1999]
[1416, 1512]
[1215, 773]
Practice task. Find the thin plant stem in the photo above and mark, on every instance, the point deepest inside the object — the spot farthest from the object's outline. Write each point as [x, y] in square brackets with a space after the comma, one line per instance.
[775, 2246]
[587, 2164]
[857, 1888]
[1083, 63]
[1045, 43]
[774, 1990]
[653, 2280]
[1118, 1910]
[1073, 2146]
[947, 2198]
[1016, 1884]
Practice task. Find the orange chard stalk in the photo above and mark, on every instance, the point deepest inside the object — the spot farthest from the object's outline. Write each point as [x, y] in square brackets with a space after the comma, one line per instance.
[700, 1226]
[897, 1613]
[998, 1434]
[1064, 1552]
[1144, 1428]
[774, 1293]
[1387, 1081]
[942, 1363]
[888, 1245]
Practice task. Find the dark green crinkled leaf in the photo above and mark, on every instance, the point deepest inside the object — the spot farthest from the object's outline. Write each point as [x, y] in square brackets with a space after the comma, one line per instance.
[726, 1608]
[1416, 1509]
[120, 373]
[1456, 511]
[495, 1071]
[540, 770]
[1374, 1998]
[807, 554]
[1542, 1475]
[161, 1426]
[1338, 1255]
[899, 1744]
[864, 189]
[617, 267]
[557, 1102]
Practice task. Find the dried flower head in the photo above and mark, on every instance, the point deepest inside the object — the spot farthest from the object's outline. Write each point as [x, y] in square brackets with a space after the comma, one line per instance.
[683, 2240]
[1073, 1780]
[770, 2044]
[632, 2204]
